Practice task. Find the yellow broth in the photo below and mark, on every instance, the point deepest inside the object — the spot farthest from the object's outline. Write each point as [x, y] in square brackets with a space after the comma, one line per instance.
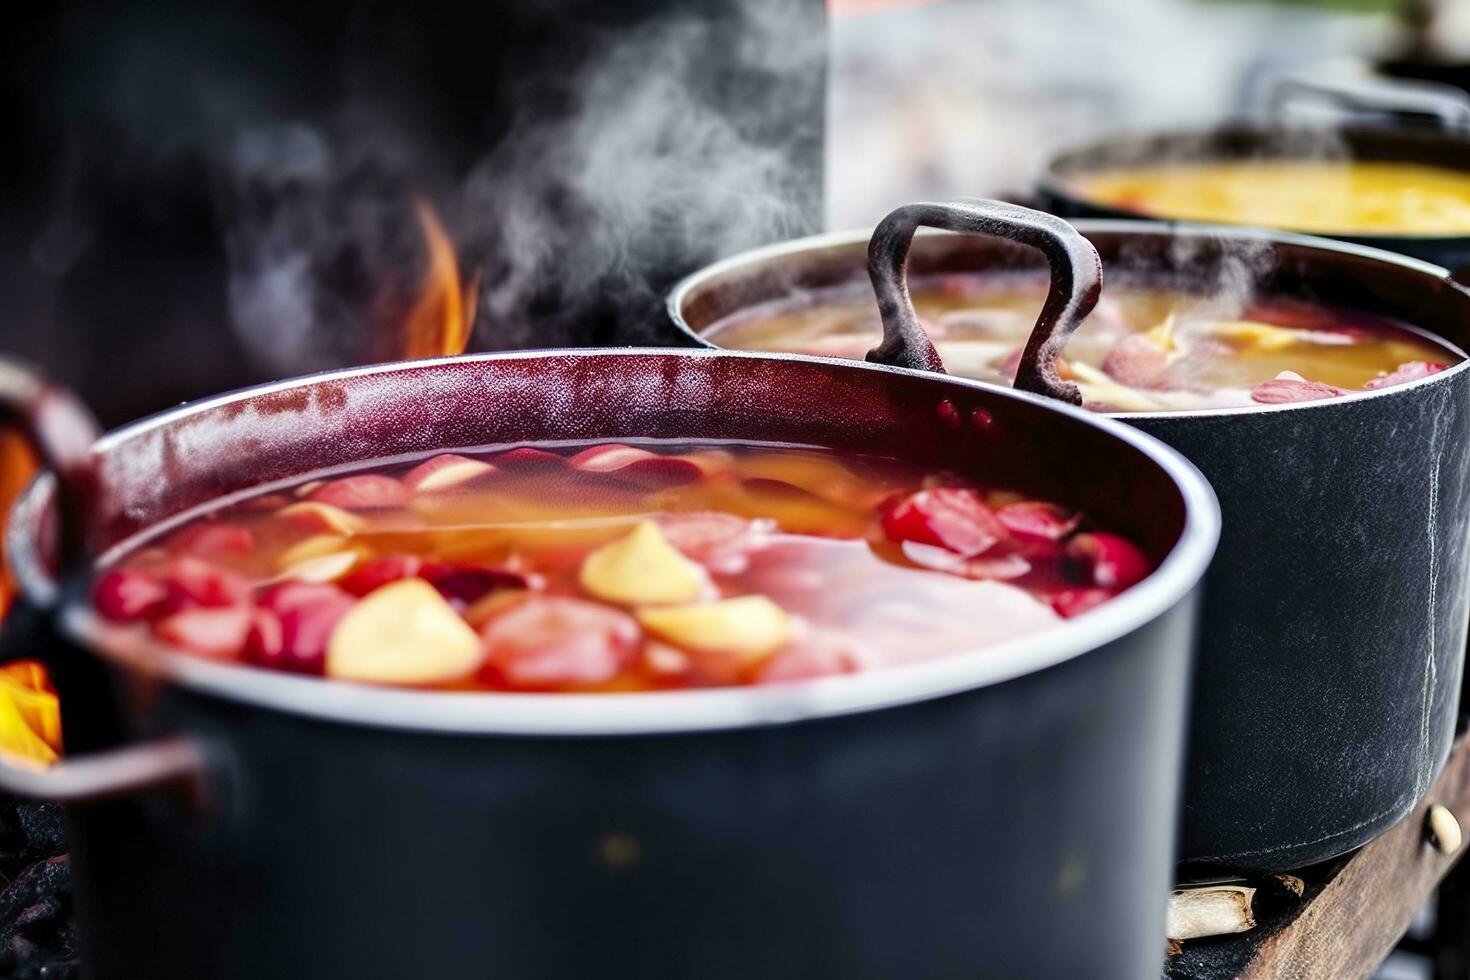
[1327, 197]
[1142, 349]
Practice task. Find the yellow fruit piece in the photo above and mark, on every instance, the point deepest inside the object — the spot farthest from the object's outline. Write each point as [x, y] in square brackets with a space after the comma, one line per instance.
[309, 548]
[748, 628]
[1261, 336]
[320, 569]
[642, 568]
[403, 633]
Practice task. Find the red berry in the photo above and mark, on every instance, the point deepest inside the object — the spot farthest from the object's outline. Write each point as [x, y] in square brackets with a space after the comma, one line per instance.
[1075, 602]
[128, 595]
[294, 624]
[212, 539]
[949, 517]
[373, 574]
[193, 583]
[1035, 521]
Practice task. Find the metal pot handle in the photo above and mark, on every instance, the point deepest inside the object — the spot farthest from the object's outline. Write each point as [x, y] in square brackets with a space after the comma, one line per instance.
[1444, 104]
[62, 431]
[1076, 282]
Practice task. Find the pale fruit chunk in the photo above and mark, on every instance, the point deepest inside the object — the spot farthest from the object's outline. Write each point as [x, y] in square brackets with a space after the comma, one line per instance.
[321, 568]
[403, 633]
[312, 547]
[445, 473]
[749, 628]
[642, 569]
[323, 517]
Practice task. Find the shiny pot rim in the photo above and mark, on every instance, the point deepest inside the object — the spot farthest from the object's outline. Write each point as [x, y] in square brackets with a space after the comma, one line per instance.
[1143, 144]
[857, 238]
[638, 713]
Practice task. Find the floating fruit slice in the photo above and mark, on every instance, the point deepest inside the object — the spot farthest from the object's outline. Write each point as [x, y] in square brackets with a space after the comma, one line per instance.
[637, 466]
[365, 491]
[642, 568]
[446, 472]
[949, 517]
[322, 518]
[213, 539]
[217, 633]
[818, 653]
[192, 583]
[526, 456]
[1109, 561]
[546, 643]
[321, 568]
[404, 633]
[1404, 373]
[312, 547]
[1288, 387]
[1037, 521]
[748, 629]
[1137, 361]
[291, 629]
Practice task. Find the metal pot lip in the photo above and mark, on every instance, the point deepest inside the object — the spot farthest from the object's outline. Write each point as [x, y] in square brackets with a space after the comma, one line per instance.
[858, 237]
[670, 712]
[1054, 184]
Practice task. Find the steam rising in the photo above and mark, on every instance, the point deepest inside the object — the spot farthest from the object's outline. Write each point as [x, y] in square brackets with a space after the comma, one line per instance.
[671, 145]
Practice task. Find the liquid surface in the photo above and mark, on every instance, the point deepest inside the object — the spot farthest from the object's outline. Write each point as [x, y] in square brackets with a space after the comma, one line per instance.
[616, 568]
[1330, 197]
[1141, 350]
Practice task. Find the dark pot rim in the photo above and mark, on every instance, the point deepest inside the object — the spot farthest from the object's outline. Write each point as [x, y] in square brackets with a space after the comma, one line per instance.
[532, 714]
[857, 239]
[1141, 144]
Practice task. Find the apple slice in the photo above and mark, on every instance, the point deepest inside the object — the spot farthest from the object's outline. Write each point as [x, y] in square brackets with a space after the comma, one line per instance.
[322, 518]
[748, 629]
[365, 491]
[445, 472]
[642, 568]
[403, 633]
[319, 569]
[217, 633]
[637, 466]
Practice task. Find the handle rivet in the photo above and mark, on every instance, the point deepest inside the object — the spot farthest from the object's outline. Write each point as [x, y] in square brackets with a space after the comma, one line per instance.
[1444, 829]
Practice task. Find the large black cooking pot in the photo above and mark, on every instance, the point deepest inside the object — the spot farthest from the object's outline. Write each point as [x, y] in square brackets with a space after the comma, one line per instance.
[951, 819]
[1385, 136]
[1334, 619]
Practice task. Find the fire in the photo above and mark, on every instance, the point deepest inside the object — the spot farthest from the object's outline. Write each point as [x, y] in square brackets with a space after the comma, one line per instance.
[438, 322]
[30, 715]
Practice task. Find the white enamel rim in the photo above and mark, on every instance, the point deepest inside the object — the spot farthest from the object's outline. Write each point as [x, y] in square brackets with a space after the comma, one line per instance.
[858, 238]
[653, 712]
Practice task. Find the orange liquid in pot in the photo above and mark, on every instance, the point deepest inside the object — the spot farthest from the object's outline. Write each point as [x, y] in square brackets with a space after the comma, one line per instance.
[616, 568]
[1141, 350]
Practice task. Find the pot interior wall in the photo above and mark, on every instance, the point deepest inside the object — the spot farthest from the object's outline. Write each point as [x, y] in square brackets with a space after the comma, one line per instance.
[164, 467]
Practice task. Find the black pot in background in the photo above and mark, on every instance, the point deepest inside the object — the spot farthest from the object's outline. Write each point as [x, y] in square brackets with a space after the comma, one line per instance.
[942, 820]
[1334, 619]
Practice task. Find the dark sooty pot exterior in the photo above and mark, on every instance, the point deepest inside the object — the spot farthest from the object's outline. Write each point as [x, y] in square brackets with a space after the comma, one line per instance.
[1382, 144]
[958, 836]
[1333, 623]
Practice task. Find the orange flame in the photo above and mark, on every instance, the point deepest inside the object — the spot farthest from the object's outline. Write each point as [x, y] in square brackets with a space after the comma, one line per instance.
[438, 323]
[30, 714]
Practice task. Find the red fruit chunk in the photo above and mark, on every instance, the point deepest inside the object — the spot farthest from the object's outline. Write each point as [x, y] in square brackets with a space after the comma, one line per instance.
[1000, 566]
[366, 491]
[817, 654]
[721, 542]
[525, 456]
[217, 633]
[193, 583]
[1108, 560]
[128, 595]
[949, 517]
[469, 583]
[375, 573]
[1404, 373]
[1035, 521]
[1075, 602]
[213, 540]
[1138, 361]
[637, 466]
[291, 629]
[550, 642]
[1284, 391]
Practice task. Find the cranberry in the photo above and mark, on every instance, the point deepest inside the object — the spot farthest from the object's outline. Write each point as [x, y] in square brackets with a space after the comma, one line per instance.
[366, 491]
[551, 642]
[293, 625]
[375, 573]
[469, 583]
[949, 517]
[1108, 560]
[128, 595]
